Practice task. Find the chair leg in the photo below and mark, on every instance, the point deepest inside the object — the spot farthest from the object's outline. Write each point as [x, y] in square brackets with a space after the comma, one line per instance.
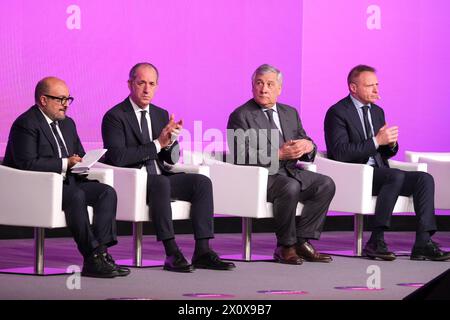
[358, 229]
[246, 253]
[246, 239]
[38, 268]
[39, 238]
[137, 261]
[137, 243]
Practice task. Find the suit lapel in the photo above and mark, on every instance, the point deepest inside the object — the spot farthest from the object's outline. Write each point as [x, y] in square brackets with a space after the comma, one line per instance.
[157, 123]
[286, 128]
[67, 136]
[132, 120]
[376, 123]
[46, 130]
[354, 117]
[261, 121]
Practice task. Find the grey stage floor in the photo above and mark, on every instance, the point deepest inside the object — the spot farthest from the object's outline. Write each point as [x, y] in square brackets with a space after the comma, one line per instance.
[319, 281]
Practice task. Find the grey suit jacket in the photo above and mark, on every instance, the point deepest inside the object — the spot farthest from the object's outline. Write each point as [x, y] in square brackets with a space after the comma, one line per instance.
[258, 146]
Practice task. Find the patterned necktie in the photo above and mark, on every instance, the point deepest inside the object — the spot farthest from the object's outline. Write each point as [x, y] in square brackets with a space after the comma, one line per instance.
[272, 125]
[377, 156]
[366, 122]
[62, 147]
[150, 164]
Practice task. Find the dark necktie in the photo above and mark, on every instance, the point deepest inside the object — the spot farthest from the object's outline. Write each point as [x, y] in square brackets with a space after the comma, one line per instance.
[377, 156]
[272, 125]
[62, 147]
[150, 164]
[366, 122]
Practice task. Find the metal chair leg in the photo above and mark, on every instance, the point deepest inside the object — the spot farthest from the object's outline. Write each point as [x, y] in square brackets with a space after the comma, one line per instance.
[358, 229]
[137, 261]
[137, 243]
[39, 238]
[246, 239]
[38, 268]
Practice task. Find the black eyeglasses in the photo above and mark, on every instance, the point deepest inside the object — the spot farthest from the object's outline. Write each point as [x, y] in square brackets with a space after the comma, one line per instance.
[62, 100]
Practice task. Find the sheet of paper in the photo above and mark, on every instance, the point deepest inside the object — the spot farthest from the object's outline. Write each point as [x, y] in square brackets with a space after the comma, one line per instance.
[89, 159]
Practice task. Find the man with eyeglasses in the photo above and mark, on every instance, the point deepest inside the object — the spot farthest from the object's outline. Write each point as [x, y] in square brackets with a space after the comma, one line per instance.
[44, 139]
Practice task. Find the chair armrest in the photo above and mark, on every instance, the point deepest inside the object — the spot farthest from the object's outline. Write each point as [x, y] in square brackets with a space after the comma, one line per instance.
[30, 198]
[203, 158]
[131, 188]
[440, 170]
[413, 156]
[190, 168]
[239, 190]
[407, 166]
[353, 184]
[103, 175]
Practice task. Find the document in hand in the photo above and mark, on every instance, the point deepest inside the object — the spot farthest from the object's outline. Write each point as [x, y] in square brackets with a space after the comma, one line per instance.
[89, 159]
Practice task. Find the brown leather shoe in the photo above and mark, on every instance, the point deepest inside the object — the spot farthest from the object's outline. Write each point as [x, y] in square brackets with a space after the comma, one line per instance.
[287, 255]
[306, 251]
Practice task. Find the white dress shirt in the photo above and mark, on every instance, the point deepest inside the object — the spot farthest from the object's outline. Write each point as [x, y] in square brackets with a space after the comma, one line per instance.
[137, 112]
[358, 105]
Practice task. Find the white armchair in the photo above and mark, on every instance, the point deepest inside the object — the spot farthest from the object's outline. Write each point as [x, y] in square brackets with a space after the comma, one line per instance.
[354, 192]
[439, 167]
[241, 191]
[131, 188]
[34, 199]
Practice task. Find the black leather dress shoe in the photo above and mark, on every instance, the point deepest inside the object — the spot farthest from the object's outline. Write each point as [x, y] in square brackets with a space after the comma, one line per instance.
[210, 260]
[307, 252]
[121, 271]
[177, 263]
[430, 251]
[96, 266]
[287, 255]
[379, 250]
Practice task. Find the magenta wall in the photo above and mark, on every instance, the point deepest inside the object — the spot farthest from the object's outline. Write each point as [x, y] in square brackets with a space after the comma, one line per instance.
[411, 52]
[206, 51]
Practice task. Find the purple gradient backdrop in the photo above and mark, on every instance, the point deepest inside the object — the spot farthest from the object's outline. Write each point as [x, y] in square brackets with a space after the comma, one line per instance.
[207, 50]
[411, 53]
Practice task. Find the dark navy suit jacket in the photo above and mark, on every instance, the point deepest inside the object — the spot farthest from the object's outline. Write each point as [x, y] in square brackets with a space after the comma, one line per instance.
[32, 146]
[344, 134]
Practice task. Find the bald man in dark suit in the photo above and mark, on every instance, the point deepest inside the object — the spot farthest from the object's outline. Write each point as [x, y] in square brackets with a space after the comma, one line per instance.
[45, 139]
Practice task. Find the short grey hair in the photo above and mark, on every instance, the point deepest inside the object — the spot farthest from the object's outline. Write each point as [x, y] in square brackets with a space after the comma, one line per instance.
[267, 68]
[132, 74]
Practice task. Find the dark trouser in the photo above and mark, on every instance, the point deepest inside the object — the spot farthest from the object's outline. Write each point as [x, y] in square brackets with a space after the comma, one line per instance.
[389, 183]
[77, 195]
[285, 193]
[195, 188]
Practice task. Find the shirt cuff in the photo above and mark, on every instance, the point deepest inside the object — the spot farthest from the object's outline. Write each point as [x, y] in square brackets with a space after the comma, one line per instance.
[157, 145]
[375, 143]
[65, 163]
